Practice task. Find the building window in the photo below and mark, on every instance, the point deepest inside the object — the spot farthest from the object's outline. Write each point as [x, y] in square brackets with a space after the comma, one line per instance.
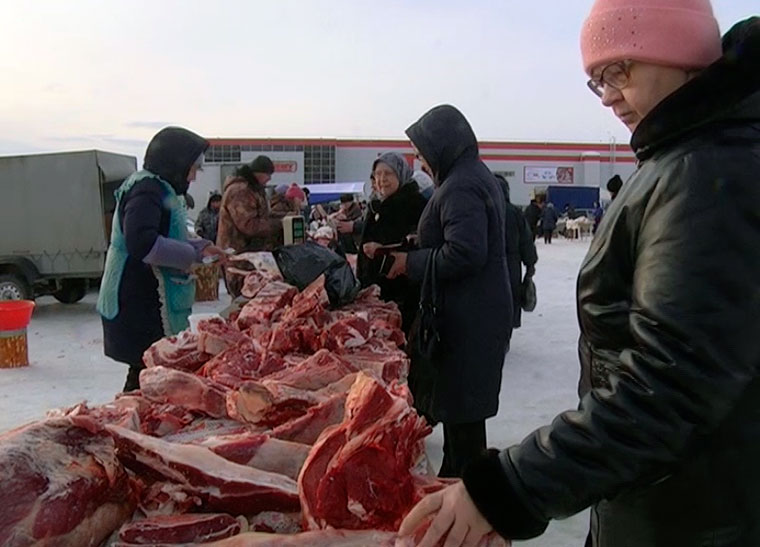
[319, 164]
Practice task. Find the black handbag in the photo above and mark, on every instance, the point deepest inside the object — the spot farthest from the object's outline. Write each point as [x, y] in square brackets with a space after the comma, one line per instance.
[428, 336]
[528, 297]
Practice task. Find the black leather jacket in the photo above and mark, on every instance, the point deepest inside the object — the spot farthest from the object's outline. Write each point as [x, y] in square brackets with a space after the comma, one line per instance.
[665, 444]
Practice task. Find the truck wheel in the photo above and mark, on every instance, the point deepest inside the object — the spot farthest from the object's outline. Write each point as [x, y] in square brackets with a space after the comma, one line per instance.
[14, 287]
[71, 291]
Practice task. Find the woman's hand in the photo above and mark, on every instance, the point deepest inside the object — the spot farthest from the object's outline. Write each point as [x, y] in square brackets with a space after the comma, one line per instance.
[345, 227]
[370, 249]
[456, 519]
[399, 266]
[212, 253]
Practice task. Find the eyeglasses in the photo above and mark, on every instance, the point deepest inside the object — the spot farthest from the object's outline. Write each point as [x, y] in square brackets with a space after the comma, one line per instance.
[617, 76]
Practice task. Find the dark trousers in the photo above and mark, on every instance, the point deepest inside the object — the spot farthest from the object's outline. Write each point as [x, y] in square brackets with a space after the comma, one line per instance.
[461, 443]
[548, 236]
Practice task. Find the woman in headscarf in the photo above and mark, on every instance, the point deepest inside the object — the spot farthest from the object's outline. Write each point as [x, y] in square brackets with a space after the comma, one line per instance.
[390, 219]
[146, 292]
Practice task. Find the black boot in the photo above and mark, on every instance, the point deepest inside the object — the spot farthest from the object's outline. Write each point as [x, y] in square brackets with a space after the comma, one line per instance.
[133, 378]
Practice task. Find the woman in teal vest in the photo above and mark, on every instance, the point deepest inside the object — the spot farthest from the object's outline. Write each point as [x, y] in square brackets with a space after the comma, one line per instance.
[147, 292]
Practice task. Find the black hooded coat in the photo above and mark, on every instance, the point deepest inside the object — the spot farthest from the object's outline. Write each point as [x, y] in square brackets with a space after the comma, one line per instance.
[464, 222]
[665, 442]
[144, 216]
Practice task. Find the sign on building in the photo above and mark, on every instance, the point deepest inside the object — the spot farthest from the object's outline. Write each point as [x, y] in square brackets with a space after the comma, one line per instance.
[548, 175]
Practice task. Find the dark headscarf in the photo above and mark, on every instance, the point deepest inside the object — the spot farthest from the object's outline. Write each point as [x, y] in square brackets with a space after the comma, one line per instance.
[171, 153]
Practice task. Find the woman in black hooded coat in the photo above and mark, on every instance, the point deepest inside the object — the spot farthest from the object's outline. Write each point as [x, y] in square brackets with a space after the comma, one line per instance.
[464, 224]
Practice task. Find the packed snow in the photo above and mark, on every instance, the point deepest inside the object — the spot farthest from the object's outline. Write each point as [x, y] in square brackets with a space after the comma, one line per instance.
[67, 366]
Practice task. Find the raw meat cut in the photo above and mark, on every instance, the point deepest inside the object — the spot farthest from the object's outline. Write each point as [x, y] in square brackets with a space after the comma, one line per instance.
[180, 352]
[345, 332]
[190, 528]
[260, 451]
[61, 484]
[312, 300]
[317, 371]
[221, 484]
[276, 523]
[308, 427]
[255, 281]
[168, 498]
[216, 335]
[359, 475]
[339, 538]
[261, 261]
[203, 428]
[380, 357]
[274, 296]
[296, 335]
[270, 403]
[166, 385]
[246, 361]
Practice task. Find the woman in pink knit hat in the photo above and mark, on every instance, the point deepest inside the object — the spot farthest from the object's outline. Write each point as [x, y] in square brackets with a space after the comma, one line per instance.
[665, 444]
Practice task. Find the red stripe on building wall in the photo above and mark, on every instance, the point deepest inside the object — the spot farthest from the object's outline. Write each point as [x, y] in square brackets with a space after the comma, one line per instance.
[379, 143]
[553, 159]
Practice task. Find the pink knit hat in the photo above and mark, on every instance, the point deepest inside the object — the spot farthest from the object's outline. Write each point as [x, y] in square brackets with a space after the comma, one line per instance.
[679, 33]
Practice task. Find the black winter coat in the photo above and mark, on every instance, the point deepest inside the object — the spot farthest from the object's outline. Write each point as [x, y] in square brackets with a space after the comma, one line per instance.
[521, 249]
[389, 222]
[144, 216]
[666, 441]
[532, 216]
[464, 221]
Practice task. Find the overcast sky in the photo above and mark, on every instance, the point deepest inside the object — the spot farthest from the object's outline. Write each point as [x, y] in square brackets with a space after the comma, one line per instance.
[108, 74]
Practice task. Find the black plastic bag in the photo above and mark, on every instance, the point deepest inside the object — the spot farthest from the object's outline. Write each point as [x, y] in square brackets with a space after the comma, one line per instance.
[302, 264]
[528, 296]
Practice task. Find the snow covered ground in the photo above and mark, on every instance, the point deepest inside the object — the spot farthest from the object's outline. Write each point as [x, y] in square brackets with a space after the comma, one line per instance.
[540, 376]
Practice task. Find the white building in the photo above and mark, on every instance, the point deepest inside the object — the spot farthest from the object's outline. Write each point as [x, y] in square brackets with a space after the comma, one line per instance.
[529, 167]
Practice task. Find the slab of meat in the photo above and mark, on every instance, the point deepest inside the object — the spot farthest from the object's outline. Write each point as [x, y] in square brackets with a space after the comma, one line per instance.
[216, 335]
[312, 300]
[190, 528]
[387, 330]
[270, 403]
[260, 451]
[321, 538]
[346, 332]
[166, 385]
[308, 427]
[222, 485]
[244, 362]
[359, 475]
[315, 372]
[274, 296]
[255, 281]
[203, 428]
[168, 498]
[261, 261]
[60, 484]
[296, 335]
[380, 357]
[180, 352]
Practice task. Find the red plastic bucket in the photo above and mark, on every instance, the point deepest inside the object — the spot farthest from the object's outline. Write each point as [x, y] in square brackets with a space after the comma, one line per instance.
[15, 314]
[14, 318]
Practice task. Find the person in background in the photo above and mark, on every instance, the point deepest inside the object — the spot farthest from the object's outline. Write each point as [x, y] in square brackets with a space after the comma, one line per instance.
[296, 198]
[245, 221]
[146, 292]
[305, 208]
[614, 185]
[349, 211]
[598, 214]
[462, 229]
[425, 182]
[521, 249]
[533, 216]
[664, 444]
[279, 204]
[391, 219]
[549, 218]
[207, 223]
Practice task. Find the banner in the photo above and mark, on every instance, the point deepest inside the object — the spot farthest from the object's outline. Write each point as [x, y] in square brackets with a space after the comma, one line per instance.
[548, 175]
